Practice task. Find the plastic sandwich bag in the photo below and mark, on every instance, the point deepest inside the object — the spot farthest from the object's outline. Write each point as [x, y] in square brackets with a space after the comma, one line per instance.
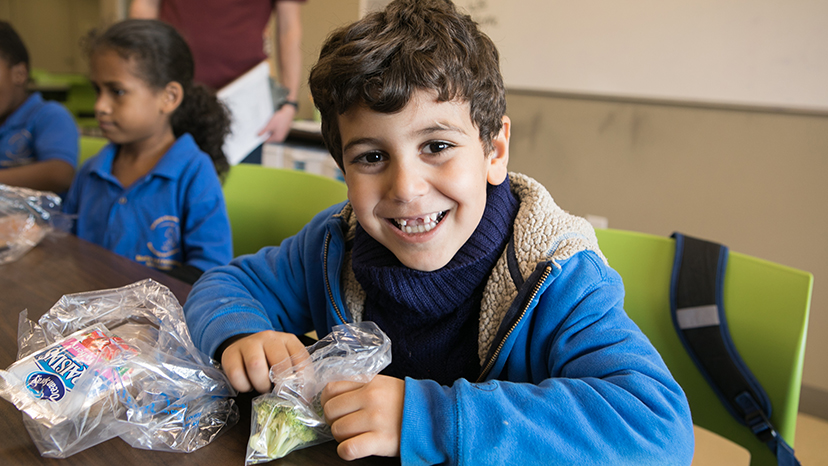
[116, 363]
[26, 217]
[290, 417]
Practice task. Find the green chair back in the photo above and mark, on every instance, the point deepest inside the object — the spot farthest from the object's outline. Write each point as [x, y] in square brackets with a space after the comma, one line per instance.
[767, 312]
[79, 95]
[89, 146]
[267, 205]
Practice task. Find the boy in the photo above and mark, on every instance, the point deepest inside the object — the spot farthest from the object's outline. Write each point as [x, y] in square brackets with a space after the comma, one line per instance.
[38, 139]
[509, 339]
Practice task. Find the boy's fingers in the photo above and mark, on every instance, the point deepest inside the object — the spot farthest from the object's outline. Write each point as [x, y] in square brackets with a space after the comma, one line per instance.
[258, 370]
[284, 352]
[367, 444]
[247, 361]
[234, 368]
[347, 426]
[275, 352]
[296, 349]
[333, 390]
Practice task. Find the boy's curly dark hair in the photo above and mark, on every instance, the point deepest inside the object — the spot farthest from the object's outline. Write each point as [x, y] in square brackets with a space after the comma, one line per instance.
[411, 45]
[162, 56]
[12, 48]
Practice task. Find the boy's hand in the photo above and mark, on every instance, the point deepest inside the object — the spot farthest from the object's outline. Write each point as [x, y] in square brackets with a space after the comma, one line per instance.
[366, 418]
[247, 361]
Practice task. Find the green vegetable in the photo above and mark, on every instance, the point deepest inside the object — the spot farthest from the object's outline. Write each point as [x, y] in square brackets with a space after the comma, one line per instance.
[279, 428]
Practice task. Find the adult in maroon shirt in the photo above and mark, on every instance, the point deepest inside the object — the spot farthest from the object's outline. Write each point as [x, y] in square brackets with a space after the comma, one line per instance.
[227, 39]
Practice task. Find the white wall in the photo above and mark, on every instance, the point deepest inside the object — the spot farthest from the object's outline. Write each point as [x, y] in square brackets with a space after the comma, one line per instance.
[768, 53]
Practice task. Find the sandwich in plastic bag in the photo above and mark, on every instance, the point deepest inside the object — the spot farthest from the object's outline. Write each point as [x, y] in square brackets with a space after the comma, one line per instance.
[116, 363]
[26, 217]
[290, 417]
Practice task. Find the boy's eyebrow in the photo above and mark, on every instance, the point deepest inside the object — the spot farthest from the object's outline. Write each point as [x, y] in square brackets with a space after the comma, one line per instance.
[437, 127]
[440, 126]
[358, 141]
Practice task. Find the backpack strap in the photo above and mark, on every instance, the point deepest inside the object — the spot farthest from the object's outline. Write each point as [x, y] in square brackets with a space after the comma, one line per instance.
[697, 308]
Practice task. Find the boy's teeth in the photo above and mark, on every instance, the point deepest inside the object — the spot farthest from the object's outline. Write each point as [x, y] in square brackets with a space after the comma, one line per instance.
[418, 225]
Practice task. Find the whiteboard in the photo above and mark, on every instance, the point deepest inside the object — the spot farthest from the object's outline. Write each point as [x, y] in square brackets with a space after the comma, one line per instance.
[766, 53]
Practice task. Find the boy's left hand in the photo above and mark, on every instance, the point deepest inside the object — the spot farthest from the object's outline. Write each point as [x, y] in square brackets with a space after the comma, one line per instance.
[366, 418]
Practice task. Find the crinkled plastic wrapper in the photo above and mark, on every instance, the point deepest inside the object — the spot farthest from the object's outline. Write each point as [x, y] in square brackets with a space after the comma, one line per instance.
[116, 363]
[290, 417]
[26, 217]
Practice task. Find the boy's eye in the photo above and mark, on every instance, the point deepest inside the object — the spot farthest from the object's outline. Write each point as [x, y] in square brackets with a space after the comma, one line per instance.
[369, 158]
[435, 147]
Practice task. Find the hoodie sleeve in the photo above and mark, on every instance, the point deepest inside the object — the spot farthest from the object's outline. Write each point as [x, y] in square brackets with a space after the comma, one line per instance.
[269, 290]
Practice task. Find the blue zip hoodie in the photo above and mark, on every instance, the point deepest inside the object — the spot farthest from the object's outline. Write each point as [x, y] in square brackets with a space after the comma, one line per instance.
[567, 377]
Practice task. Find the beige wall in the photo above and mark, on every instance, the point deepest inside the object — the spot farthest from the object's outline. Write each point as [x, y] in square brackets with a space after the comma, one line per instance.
[319, 18]
[52, 30]
[755, 181]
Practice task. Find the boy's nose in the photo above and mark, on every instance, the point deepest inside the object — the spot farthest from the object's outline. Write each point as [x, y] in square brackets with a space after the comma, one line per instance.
[407, 183]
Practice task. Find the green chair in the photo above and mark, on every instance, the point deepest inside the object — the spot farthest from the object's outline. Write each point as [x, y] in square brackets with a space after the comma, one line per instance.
[267, 205]
[89, 146]
[767, 313]
[73, 90]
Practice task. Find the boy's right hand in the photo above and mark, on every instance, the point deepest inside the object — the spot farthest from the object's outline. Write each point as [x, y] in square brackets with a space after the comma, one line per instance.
[247, 361]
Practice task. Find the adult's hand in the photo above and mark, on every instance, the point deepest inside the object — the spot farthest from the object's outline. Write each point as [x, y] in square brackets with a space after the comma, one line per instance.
[279, 124]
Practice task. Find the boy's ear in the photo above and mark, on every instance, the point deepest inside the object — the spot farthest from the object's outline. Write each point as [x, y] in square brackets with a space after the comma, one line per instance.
[499, 158]
[20, 74]
[171, 97]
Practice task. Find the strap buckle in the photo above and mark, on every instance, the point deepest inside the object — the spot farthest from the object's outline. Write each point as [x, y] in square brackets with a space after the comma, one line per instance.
[755, 418]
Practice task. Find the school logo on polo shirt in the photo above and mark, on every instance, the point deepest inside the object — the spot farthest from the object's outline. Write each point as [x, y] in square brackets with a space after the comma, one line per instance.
[18, 149]
[164, 244]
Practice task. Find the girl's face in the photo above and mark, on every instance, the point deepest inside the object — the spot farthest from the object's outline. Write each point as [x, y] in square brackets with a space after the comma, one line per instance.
[128, 110]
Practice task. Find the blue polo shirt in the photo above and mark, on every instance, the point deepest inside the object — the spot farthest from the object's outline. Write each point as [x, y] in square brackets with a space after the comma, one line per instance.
[173, 216]
[37, 131]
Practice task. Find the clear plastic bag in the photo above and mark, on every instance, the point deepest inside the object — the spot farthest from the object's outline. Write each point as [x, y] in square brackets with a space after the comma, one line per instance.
[116, 363]
[26, 217]
[290, 417]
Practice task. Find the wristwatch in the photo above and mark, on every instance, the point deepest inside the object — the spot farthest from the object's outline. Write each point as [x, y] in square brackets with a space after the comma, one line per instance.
[289, 102]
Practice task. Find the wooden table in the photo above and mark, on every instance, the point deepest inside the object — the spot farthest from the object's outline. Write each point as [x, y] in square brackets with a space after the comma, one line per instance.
[64, 265]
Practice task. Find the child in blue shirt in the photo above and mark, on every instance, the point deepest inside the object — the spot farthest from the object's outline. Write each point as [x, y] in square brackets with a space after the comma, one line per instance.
[509, 338]
[38, 139]
[153, 194]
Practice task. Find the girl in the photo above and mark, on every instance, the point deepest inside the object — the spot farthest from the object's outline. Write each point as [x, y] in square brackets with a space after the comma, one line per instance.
[153, 194]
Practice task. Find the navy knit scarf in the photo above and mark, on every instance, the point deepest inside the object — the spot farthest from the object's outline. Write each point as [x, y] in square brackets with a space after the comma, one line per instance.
[432, 317]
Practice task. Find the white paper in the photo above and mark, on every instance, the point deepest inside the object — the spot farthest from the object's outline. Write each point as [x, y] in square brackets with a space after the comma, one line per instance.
[250, 103]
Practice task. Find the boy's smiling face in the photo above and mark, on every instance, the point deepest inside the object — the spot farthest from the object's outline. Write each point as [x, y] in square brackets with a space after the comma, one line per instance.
[417, 178]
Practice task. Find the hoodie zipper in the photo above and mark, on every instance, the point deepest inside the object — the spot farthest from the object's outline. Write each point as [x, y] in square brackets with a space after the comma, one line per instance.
[327, 280]
[535, 290]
